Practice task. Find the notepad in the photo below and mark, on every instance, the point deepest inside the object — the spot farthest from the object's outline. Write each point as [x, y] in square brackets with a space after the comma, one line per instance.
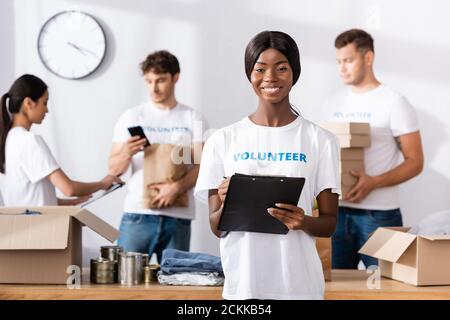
[248, 198]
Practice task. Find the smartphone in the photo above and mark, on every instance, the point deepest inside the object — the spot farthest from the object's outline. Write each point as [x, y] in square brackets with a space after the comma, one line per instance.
[138, 131]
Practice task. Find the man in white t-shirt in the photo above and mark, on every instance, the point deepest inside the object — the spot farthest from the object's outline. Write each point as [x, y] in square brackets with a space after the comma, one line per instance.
[394, 156]
[165, 121]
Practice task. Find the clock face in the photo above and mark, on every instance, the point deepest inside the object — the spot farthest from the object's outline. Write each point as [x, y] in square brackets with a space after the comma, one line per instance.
[72, 44]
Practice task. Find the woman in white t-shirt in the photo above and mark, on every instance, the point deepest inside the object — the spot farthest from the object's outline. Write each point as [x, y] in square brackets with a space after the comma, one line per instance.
[31, 171]
[274, 140]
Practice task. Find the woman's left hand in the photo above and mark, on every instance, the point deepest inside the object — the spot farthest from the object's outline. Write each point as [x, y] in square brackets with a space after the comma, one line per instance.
[292, 216]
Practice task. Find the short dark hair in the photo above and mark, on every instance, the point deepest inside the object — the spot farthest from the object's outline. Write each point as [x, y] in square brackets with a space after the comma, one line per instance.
[277, 40]
[161, 62]
[362, 40]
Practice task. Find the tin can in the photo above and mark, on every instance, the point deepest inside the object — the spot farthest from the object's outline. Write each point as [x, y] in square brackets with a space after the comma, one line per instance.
[130, 268]
[151, 273]
[104, 271]
[111, 252]
[147, 274]
[145, 259]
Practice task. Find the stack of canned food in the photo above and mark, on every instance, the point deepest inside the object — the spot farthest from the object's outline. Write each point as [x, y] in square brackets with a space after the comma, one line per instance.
[126, 268]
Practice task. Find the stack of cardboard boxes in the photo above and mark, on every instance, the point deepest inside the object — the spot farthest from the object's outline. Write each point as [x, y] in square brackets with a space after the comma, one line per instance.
[353, 138]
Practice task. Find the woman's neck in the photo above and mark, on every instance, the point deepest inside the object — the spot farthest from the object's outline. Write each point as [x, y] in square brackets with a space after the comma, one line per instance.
[19, 120]
[273, 114]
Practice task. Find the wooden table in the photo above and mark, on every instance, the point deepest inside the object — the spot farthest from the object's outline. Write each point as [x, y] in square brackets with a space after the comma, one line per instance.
[352, 285]
[346, 284]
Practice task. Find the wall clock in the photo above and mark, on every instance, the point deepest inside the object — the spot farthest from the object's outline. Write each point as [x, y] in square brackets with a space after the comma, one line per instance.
[72, 44]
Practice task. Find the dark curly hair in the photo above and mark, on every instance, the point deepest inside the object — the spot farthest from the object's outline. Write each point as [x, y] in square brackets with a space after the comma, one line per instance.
[362, 40]
[161, 62]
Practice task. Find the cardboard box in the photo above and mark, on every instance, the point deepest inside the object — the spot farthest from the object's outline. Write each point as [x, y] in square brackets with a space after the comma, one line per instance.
[346, 166]
[417, 260]
[348, 180]
[344, 191]
[353, 140]
[344, 128]
[347, 183]
[40, 248]
[352, 154]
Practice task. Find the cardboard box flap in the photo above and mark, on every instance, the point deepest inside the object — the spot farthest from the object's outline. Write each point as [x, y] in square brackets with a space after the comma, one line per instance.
[59, 210]
[387, 244]
[102, 228]
[23, 232]
[437, 237]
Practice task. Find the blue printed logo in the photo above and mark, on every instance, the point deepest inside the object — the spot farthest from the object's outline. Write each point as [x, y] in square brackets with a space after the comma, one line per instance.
[352, 115]
[270, 156]
[166, 129]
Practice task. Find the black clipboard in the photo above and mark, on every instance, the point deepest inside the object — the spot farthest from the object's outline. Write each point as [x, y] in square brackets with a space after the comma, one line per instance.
[249, 197]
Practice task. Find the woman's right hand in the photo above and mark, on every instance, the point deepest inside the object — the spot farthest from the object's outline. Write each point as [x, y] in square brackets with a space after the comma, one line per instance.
[109, 180]
[133, 145]
[223, 189]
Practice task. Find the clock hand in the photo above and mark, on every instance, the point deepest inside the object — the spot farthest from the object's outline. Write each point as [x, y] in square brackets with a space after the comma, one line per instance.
[83, 50]
[76, 47]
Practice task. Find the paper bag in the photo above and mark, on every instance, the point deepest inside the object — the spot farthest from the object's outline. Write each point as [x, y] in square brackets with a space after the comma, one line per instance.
[163, 163]
[323, 246]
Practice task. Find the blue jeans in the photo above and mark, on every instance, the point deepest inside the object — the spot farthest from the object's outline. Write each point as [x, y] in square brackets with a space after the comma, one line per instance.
[150, 234]
[353, 229]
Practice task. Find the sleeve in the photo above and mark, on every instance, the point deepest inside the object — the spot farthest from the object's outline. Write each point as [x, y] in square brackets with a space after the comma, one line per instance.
[121, 133]
[200, 126]
[211, 171]
[37, 159]
[403, 118]
[327, 174]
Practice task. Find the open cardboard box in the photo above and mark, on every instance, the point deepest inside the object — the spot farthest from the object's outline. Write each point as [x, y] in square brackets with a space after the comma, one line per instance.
[417, 260]
[40, 248]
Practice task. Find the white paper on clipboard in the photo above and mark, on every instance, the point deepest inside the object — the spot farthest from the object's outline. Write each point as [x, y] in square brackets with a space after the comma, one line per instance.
[111, 189]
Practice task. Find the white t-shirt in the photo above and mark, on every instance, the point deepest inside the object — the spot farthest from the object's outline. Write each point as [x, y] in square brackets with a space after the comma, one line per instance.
[181, 125]
[390, 115]
[272, 266]
[28, 163]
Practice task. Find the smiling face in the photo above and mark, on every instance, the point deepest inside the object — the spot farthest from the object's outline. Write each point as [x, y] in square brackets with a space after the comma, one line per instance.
[353, 65]
[161, 86]
[272, 76]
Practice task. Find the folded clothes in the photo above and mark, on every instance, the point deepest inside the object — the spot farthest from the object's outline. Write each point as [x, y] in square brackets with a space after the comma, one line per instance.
[176, 261]
[191, 279]
[434, 224]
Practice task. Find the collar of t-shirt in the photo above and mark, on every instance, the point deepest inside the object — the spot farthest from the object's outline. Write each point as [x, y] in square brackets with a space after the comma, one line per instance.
[366, 94]
[156, 109]
[250, 123]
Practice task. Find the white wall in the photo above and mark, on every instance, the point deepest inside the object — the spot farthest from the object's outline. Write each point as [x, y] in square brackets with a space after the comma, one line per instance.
[7, 44]
[7, 57]
[209, 38]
